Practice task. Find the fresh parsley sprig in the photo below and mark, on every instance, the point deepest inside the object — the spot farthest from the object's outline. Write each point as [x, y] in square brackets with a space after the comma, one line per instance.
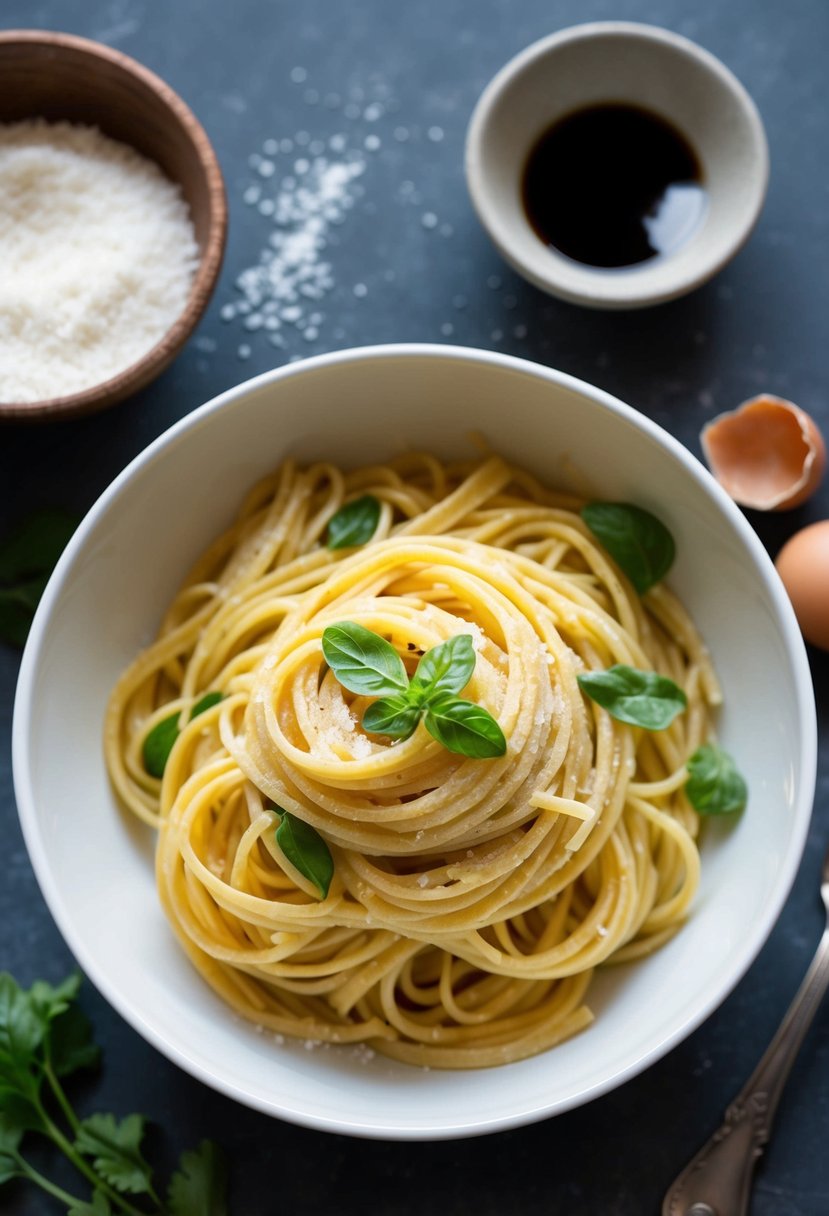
[368, 665]
[44, 1037]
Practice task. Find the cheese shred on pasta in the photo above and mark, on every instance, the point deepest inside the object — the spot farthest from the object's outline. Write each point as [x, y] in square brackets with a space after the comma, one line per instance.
[471, 899]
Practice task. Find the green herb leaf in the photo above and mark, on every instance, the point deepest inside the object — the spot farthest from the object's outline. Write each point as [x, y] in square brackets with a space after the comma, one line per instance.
[20, 1112]
[207, 702]
[715, 785]
[306, 850]
[159, 742]
[362, 661]
[641, 698]
[22, 1023]
[199, 1187]
[10, 1136]
[158, 745]
[396, 717]
[638, 542]
[446, 668]
[70, 1043]
[354, 524]
[27, 558]
[98, 1207]
[115, 1149]
[464, 728]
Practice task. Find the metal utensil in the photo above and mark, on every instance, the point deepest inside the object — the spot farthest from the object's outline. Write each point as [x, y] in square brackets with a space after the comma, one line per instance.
[717, 1182]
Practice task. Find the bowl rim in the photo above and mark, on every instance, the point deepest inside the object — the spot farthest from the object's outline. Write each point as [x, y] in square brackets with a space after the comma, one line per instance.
[143, 370]
[590, 278]
[181, 1054]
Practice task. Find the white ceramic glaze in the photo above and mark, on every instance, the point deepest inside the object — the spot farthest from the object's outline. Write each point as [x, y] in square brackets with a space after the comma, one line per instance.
[104, 602]
[641, 65]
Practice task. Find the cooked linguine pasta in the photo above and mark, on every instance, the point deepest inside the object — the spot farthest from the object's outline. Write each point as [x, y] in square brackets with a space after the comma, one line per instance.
[471, 899]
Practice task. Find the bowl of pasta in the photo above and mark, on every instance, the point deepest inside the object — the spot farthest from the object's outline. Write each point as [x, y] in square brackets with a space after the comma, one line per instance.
[434, 739]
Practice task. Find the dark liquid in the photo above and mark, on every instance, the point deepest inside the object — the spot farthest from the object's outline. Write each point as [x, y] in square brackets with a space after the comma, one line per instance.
[613, 185]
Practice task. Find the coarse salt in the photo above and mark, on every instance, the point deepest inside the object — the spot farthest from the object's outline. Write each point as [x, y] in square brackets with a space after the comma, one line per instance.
[98, 254]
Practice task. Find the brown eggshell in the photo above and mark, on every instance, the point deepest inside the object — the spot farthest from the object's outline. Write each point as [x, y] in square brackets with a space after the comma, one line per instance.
[803, 565]
[767, 454]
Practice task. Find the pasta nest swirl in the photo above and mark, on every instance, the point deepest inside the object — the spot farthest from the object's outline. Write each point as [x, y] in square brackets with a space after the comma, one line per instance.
[418, 827]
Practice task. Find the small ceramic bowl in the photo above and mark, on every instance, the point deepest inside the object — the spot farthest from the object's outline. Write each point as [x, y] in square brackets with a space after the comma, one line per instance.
[63, 78]
[642, 66]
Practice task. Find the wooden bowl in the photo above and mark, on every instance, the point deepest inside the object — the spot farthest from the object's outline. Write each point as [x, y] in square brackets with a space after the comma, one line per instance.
[63, 78]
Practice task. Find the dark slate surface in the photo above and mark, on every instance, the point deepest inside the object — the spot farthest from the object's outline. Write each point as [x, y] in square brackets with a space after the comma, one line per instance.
[760, 325]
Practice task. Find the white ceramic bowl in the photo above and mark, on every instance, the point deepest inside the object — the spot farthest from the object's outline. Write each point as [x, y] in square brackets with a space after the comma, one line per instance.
[123, 565]
[644, 66]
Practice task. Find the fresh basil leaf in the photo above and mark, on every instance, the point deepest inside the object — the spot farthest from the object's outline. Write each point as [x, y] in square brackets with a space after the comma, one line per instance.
[207, 702]
[362, 661]
[199, 1186]
[160, 740]
[641, 698]
[715, 785]
[158, 745]
[445, 668]
[36, 544]
[637, 541]
[464, 728]
[27, 557]
[306, 850]
[115, 1149]
[354, 524]
[395, 716]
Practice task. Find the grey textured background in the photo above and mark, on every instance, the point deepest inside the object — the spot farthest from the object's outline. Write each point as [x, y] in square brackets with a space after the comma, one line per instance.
[760, 325]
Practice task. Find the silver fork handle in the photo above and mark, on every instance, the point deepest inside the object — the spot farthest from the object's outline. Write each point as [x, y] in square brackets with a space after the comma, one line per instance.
[717, 1182]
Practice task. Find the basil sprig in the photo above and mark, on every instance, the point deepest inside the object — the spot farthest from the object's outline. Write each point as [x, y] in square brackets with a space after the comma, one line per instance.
[354, 524]
[715, 786]
[641, 698]
[159, 742]
[367, 664]
[305, 849]
[637, 541]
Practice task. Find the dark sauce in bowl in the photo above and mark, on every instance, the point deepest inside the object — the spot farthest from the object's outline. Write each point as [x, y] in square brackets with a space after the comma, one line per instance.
[613, 185]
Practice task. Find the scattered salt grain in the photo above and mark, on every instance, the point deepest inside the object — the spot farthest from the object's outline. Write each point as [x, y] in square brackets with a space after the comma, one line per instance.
[291, 270]
[435, 134]
[429, 219]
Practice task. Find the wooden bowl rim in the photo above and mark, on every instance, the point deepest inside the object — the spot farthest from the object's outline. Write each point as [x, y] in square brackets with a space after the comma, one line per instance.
[143, 370]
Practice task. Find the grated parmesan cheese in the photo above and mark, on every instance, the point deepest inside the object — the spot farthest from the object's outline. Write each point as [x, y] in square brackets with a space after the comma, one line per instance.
[98, 254]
